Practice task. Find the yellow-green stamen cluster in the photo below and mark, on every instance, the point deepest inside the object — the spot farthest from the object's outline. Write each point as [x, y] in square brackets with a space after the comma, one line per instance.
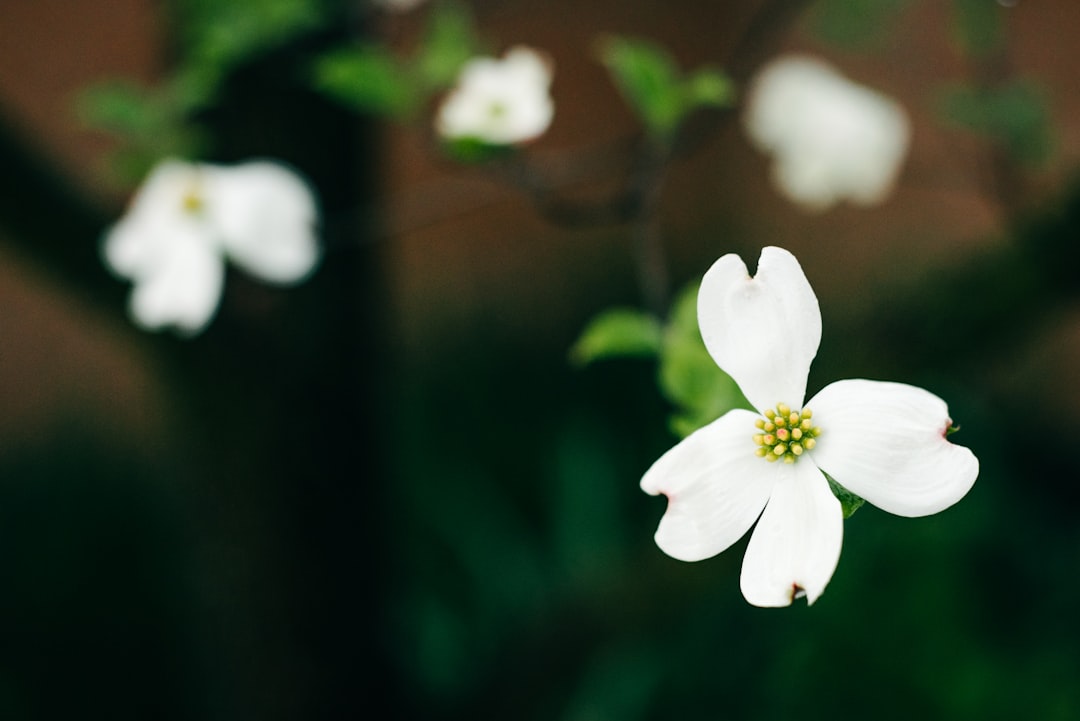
[193, 200]
[785, 434]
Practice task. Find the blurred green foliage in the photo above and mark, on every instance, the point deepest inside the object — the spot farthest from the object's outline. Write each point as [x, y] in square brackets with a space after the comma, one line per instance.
[687, 375]
[618, 332]
[151, 122]
[1014, 115]
[216, 36]
[855, 23]
[373, 78]
[651, 82]
[368, 78]
[978, 26]
[214, 39]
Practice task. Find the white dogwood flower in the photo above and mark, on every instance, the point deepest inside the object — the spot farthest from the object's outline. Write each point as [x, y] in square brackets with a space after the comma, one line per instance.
[499, 102]
[882, 441]
[831, 139]
[188, 218]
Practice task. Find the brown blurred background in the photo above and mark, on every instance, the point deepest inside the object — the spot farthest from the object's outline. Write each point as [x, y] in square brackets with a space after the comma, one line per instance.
[447, 248]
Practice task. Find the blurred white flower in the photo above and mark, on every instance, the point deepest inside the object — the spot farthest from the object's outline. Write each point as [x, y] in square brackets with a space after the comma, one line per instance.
[188, 218]
[499, 102]
[831, 139]
[882, 441]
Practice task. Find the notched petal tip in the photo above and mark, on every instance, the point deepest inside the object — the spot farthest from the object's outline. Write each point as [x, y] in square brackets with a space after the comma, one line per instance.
[716, 488]
[904, 464]
[796, 544]
[762, 330]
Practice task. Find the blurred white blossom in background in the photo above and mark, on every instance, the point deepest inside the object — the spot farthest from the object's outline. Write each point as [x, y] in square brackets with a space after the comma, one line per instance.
[188, 218]
[831, 139]
[499, 102]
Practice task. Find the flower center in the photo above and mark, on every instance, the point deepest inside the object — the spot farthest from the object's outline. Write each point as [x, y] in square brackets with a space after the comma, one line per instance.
[785, 433]
[192, 201]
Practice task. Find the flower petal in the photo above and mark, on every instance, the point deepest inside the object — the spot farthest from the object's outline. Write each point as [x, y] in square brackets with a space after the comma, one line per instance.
[796, 544]
[716, 488]
[762, 331]
[266, 215]
[137, 244]
[184, 289]
[131, 246]
[886, 442]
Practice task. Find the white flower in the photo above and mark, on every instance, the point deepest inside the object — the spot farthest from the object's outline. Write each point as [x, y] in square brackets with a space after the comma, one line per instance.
[831, 139]
[187, 218]
[500, 102]
[882, 441]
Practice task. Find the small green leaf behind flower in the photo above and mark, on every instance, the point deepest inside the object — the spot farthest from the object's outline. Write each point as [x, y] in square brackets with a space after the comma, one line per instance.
[654, 87]
[849, 502]
[618, 332]
[687, 375]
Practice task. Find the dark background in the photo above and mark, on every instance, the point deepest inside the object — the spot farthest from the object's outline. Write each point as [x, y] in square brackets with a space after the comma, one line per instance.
[388, 494]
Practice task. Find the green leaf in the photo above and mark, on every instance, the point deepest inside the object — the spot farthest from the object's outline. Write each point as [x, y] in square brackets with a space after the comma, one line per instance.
[652, 84]
[217, 36]
[1014, 115]
[709, 86]
[149, 122]
[977, 26]
[855, 23]
[617, 332]
[122, 107]
[689, 377]
[226, 33]
[849, 502]
[647, 78]
[367, 78]
[373, 79]
[475, 150]
[450, 40]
